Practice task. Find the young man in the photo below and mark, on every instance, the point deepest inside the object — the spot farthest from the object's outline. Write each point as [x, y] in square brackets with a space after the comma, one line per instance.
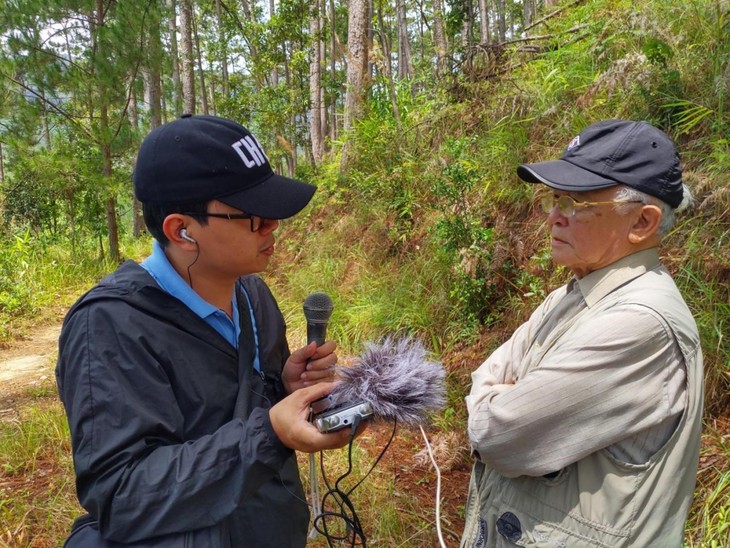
[184, 403]
[585, 425]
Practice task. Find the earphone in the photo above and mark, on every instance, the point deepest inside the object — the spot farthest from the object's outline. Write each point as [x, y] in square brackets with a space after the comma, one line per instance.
[184, 236]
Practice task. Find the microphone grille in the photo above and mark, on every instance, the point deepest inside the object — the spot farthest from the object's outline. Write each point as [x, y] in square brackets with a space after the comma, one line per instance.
[318, 307]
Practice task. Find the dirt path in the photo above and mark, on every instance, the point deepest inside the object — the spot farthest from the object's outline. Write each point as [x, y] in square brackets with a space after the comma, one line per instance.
[28, 362]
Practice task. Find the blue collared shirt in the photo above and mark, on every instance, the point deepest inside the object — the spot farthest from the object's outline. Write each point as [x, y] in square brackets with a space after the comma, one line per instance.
[168, 279]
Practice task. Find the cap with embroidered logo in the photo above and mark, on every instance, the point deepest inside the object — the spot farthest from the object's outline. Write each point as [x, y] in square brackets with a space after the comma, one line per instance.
[613, 152]
[200, 158]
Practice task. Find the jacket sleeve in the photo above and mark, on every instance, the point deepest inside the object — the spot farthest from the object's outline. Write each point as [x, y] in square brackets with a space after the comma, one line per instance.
[136, 473]
[601, 384]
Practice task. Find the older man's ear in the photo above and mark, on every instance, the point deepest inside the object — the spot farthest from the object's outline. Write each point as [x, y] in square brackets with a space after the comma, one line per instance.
[645, 229]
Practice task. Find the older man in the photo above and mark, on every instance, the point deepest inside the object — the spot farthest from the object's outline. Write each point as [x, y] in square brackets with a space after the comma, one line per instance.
[585, 425]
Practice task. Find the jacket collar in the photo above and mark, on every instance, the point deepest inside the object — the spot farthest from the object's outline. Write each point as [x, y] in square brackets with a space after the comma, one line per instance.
[600, 283]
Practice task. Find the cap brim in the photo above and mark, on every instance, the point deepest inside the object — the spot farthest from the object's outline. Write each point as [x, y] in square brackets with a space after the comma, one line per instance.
[276, 197]
[563, 175]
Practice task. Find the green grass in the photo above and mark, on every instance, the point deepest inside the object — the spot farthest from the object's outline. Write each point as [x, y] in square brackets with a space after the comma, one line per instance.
[37, 494]
[39, 279]
[709, 521]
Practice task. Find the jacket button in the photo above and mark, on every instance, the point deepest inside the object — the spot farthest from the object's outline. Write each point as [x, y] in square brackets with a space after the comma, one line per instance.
[508, 525]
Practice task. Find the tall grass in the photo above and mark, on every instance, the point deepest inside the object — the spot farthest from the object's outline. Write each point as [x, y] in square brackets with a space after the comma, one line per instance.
[37, 495]
[40, 277]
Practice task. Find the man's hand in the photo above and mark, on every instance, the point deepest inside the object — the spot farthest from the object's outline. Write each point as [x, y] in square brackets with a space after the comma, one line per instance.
[309, 365]
[290, 420]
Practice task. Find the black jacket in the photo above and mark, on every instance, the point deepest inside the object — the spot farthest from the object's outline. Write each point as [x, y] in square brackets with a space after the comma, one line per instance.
[170, 429]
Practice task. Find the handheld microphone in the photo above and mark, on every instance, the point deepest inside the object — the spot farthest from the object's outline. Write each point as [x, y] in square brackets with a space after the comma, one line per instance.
[396, 378]
[317, 310]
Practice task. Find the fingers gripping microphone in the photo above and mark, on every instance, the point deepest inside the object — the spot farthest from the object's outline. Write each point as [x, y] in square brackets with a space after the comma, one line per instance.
[317, 310]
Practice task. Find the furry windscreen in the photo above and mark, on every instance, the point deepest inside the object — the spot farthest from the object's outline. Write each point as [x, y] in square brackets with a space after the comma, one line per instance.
[398, 380]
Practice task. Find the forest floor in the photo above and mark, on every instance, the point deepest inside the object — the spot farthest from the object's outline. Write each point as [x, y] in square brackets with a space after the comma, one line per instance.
[26, 363]
[27, 366]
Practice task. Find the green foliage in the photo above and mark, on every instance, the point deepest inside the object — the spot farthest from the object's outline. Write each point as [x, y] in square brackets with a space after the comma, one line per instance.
[40, 276]
[715, 513]
[15, 294]
[464, 236]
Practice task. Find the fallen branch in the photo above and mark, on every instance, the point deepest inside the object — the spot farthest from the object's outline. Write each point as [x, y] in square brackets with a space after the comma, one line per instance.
[551, 15]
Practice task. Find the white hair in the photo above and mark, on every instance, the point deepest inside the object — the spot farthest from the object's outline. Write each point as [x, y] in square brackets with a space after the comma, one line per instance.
[668, 213]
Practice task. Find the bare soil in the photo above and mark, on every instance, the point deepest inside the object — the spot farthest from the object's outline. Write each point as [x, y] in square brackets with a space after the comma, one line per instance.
[26, 363]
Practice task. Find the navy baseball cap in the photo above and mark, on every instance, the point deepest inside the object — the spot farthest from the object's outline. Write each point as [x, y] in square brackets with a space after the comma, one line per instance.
[201, 158]
[613, 152]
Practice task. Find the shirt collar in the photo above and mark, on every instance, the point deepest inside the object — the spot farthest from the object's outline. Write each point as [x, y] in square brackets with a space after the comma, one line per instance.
[600, 283]
[168, 279]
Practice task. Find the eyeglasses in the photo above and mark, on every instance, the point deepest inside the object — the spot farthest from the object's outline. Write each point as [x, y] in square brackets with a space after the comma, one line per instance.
[255, 220]
[567, 205]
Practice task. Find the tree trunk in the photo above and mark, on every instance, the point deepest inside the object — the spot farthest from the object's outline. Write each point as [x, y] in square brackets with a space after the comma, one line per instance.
[333, 71]
[198, 56]
[104, 141]
[467, 30]
[175, 59]
[405, 64]
[315, 86]
[275, 70]
[439, 39]
[137, 221]
[484, 22]
[369, 27]
[188, 57]
[387, 68]
[322, 69]
[528, 12]
[502, 20]
[223, 45]
[357, 67]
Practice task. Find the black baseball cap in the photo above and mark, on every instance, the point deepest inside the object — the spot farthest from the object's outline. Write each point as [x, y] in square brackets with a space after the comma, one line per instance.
[612, 152]
[200, 158]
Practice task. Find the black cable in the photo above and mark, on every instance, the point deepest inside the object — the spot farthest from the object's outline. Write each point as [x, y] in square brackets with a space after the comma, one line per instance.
[197, 256]
[351, 528]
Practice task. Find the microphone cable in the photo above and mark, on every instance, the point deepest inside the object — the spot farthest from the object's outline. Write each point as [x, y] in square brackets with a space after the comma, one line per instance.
[344, 510]
[438, 488]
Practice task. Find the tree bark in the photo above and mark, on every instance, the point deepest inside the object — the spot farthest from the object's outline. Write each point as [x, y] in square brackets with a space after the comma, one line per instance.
[201, 73]
[439, 39]
[501, 20]
[387, 68]
[315, 85]
[223, 44]
[484, 22]
[188, 57]
[357, 67]
[175, 59]
[333, 71]
[98, 47]
[405, 63]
